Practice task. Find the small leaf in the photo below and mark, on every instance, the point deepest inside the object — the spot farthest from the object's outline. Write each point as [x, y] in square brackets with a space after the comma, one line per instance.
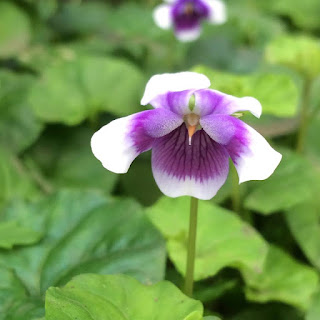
[15, 29]
[277, 92]
[11, 233]
[119, 297]
[281, 279]
[291, 184]
[19, 127]
[236, 244]
[75, 88]
[298, 52]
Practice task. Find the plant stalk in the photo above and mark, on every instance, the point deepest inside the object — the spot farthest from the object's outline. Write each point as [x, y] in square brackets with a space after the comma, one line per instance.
[191, 254]
[304, 118]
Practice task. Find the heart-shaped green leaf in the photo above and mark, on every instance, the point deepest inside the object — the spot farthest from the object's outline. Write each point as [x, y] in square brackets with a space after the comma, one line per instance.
[119, 297]
[83, 232]
[234, 244]
[277, 92]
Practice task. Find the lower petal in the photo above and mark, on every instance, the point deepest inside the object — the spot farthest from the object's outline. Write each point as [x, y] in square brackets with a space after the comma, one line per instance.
[252, 155]
[198, 170]
[118, 143]
[187, 35]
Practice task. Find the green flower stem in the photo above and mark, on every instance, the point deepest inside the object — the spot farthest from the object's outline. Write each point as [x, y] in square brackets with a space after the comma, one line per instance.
[235, 196]
[304, 118]
[188, 286]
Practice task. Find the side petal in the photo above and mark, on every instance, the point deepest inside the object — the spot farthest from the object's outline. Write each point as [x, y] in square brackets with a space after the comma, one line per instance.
[173, 82]
[252, 155]
[217, 11]
[162, 16]
[118, 143]
[213, 101]
[198, 170]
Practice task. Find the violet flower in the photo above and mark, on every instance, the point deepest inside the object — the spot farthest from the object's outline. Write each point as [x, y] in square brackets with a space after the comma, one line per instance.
[192, 134]
[185, 16]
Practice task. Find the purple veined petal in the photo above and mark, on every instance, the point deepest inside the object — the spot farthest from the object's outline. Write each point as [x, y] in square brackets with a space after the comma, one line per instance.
[252, 155]
[172, 82]
[197, 170]
[212, 101]
[162, 16]
[118, 143]
[187, 16]
[217, 11]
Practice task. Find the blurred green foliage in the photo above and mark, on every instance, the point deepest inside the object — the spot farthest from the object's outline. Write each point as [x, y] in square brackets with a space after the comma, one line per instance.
[69, 67]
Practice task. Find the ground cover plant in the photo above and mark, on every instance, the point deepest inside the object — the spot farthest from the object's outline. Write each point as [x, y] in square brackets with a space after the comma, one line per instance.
[80, 242]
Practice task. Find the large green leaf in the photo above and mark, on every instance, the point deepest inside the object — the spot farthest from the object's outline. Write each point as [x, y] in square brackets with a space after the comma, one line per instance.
[281, 279]
[11, 233]
[277, 92]
[305, 14]
[313, 312]
[298, 52]
[291, 184]
[223, 239]
[14, 29]
[118, 297]
[83, 232]
[76, 88]
[15, 181]
[18, 126]
[77, 167]
[304, 223]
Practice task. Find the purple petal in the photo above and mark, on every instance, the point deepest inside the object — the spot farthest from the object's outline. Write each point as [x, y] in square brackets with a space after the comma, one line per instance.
[198, 170]
[212, 101]
[118, 143]
[187, 14]
[252, 155]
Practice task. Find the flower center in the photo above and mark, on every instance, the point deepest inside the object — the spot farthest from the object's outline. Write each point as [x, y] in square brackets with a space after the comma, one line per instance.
[192, 123]
[189, 9]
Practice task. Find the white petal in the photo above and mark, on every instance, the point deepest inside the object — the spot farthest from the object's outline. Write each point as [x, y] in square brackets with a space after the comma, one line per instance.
[112, 146]
[162, 16]
[163, 83]
[188, 35]
[174, 187]
[218, 14]
[260, 160]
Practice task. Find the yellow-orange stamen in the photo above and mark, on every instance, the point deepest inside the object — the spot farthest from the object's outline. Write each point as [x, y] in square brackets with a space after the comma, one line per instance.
[188, 9]
[191, 132]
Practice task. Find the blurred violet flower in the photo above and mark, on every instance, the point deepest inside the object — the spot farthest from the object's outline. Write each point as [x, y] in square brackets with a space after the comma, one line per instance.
[192, 134]
[185, 16]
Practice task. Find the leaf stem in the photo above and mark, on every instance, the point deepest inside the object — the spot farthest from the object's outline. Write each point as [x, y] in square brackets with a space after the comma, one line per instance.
[235, 197]
[191, 254]
[304, 118]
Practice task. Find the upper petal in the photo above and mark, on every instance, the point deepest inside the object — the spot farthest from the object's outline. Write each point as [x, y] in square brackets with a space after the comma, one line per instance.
[162, 16]
[217, 11]
[212, 101]
[173, 82]
[118, 143]
[252, 155]
[197, 170]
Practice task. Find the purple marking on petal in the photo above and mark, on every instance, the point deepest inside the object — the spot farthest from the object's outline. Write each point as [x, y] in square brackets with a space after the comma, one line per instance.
[151, 124]
[177, 102]
[187, 14]
[204, 160]
[228, 131]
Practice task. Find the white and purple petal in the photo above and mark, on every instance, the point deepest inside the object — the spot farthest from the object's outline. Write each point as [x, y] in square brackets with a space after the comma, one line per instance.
[118, 143]
[197, 170]
[212, 101]
[252, 155]
[217, 11]
[161, 84]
